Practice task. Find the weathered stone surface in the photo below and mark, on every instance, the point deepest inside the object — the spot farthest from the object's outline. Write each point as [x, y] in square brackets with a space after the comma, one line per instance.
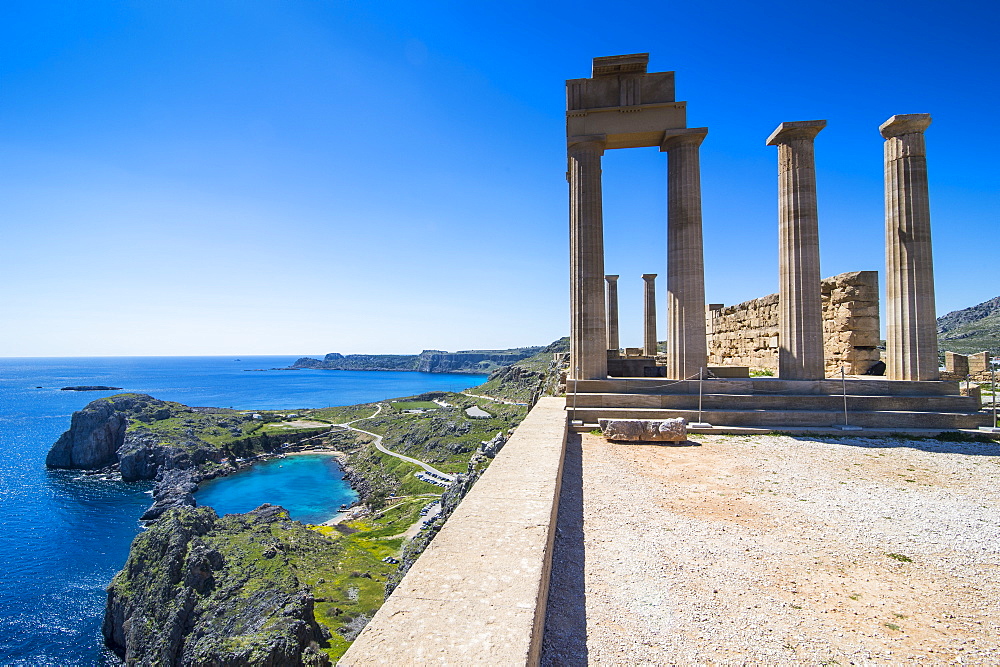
[95, 433]
[643, 430]
[747, 334]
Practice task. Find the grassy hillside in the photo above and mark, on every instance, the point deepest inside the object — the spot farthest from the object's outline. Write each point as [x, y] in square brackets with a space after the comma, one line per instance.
[971, 330]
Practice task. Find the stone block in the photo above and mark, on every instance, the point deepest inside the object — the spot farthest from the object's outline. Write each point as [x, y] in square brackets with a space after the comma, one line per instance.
[645, 430]
[957, 364]
[979, 362]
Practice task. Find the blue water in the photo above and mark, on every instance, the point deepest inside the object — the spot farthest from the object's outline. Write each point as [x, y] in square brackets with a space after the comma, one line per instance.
[63, 536]
[309, 486]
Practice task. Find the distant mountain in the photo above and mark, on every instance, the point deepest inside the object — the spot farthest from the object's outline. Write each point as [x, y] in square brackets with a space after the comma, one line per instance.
[428, 361]
[972, 329]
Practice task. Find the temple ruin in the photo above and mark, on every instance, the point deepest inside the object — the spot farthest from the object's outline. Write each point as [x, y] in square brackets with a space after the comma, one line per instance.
[821, 346]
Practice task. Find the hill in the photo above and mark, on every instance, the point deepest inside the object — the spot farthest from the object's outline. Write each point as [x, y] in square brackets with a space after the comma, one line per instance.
[972, 329]
[428, 361]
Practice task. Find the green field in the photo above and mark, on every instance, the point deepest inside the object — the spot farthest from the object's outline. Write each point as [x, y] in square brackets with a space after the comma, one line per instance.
[415, 405]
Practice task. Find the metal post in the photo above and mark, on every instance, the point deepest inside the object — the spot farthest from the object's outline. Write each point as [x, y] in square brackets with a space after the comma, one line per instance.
[992, 428]
[701, 378]
[843, 381]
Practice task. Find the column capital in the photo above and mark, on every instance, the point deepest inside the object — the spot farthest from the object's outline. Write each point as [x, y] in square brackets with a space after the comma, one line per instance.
[689, 136]
[797, 129]
[611, 279]
[649, 276]
[908, 123]
[590, 142]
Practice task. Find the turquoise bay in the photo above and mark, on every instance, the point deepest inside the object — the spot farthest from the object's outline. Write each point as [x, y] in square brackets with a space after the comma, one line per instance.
[310, 486]
[64, 535]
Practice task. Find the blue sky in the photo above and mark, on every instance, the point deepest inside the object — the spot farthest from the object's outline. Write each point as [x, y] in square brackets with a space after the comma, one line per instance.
[310, 176]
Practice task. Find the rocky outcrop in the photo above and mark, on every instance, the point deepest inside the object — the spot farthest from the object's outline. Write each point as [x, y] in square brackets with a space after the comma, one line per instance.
[200, 590]
[96, 433]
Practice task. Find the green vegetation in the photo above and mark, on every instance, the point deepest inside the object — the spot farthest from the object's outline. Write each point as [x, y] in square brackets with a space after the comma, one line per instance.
[242, 586]
[900, 557]
[971, 330]
[414, 405]
[537, 375]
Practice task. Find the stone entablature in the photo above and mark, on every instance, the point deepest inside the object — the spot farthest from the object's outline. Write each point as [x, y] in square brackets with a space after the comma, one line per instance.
[747, 334]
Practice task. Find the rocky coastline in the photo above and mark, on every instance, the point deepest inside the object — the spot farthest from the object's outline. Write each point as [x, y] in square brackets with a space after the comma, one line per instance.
[108, 437]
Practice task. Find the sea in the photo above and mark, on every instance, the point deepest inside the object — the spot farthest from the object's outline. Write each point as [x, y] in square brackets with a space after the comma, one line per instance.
[64, 535]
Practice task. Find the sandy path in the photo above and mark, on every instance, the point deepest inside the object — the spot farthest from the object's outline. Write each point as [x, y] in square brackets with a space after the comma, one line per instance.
[772, 549]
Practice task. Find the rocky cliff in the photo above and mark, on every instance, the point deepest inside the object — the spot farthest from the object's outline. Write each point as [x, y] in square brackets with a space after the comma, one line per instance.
[243, 581]
[178, 446]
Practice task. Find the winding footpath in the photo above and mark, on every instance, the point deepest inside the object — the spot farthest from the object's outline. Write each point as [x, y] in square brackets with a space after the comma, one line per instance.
[491, 398]
[378, 445]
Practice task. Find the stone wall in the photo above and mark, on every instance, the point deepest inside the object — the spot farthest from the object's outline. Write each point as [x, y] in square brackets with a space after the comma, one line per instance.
[958, 367]
[747, 334]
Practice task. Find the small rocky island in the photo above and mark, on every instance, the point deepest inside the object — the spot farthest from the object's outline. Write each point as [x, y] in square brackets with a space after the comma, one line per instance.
[90, 387]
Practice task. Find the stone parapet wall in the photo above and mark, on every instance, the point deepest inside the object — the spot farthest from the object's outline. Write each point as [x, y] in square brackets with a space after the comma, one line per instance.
[747, 334]
[477, 595]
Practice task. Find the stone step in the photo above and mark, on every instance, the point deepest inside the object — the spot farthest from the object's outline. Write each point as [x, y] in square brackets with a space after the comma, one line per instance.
[776, 402]
[859, 386]
[778, 418]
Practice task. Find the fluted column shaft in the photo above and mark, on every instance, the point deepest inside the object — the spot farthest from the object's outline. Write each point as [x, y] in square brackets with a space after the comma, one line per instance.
[800, 299]
[687, 350]
[613, 342]
[649, 315]
[911, 327]
[588, 326]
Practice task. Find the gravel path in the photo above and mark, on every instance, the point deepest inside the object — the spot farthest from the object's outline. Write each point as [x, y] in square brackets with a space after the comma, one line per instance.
[777, 550]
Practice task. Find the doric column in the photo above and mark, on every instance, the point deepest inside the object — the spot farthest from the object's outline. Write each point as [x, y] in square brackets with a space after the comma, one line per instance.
[911, 327]
[613, 343]
[588, 327]
[686, 345]
[649, 315]
[800, 300]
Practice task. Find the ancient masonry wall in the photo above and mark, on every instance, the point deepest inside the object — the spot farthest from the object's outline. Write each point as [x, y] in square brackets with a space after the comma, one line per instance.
[747, 334]
[958, 367]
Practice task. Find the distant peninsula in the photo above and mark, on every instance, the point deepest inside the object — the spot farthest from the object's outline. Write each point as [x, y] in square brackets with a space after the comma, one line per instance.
[428, 361]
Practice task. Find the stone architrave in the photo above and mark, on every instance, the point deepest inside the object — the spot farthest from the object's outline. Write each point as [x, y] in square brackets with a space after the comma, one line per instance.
[649, 315]
[800, 301]
[911, 326]
[588, 325]
[645, 430]
[687, 350]
[613, 342]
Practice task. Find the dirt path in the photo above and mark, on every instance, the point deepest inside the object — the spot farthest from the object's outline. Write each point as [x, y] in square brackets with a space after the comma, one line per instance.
[777, 550]
[379, 446]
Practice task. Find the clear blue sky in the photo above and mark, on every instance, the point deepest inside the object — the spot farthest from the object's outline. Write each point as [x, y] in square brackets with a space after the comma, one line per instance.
[306, 176]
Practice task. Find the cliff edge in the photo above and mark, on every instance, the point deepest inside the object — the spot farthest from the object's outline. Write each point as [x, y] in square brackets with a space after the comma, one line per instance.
[243, 580]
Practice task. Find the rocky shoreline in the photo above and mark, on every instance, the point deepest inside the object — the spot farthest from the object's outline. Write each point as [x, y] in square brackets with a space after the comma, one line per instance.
[100, 442]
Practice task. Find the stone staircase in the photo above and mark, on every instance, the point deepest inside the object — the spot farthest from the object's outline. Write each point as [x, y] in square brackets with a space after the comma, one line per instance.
[872, 403]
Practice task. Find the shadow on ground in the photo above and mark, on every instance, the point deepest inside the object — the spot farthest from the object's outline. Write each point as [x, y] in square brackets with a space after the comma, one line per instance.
[565, 639]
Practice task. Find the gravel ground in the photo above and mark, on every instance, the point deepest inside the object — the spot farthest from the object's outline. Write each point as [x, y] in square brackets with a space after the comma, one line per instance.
[777, 550]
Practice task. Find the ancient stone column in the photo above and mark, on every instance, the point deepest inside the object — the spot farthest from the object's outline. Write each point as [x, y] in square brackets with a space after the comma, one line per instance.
[687, 349]
[588, 326]
[911, 327]
[800, 299]
[613, 343]
[649, 315]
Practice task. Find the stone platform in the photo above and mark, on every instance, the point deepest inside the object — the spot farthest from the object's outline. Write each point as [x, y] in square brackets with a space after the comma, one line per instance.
[872, 403]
